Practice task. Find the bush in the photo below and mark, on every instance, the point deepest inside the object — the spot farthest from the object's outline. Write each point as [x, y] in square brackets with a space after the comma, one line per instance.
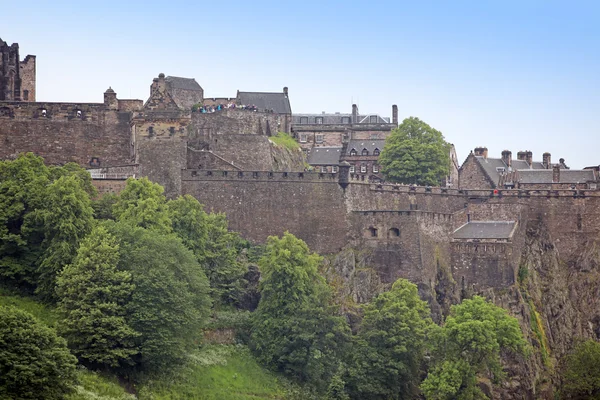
[34, 362]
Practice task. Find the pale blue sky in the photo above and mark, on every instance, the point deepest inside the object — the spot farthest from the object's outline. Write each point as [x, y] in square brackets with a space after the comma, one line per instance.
[520, 75]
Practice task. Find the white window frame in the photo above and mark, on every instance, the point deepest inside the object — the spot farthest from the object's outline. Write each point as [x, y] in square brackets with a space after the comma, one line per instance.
[363, 169]
[375, 168]
[319, 120]
[303, 138]
[334, 169]
[323, 169]
[352, 169]
[319, 139]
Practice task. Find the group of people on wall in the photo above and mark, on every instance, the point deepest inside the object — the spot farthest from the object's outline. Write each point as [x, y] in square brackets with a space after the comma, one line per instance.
[214, 108]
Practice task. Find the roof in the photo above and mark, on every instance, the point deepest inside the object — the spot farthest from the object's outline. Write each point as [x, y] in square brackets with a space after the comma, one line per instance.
[370, 145]
[485, 230]
[325, 156]
[278, 102]
[177, 82]
[492, 166]
[337, 119]
[545, 176]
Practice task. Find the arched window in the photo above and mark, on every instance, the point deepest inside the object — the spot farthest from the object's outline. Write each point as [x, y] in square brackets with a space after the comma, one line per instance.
[394, 232]
[373, 232]
[365, 152]
[376, 152]
[353, 152]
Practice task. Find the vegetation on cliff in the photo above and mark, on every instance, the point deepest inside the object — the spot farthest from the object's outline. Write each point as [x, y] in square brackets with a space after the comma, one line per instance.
[415, 153]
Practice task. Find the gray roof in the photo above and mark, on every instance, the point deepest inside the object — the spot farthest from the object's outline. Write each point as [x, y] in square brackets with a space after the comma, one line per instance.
[491, 166]
[278, 102]
[337, 119]
[325, 156]
[545, 176]
[370, 145]
[485, 230]
[177, 82]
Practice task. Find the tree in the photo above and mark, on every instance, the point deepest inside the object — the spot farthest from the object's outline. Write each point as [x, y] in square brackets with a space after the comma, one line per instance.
[171, 297]
[94, 296]
[294, 327]
[582, 371]
[142, 203]
[34, 362]
[213, 244]
[469, 345]
[415, 153]
[389, 348]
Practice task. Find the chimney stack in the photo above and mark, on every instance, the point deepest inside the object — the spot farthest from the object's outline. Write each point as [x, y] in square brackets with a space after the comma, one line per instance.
[161, 82]
[285, 91]
[481, 152]
[521, 155]
[547, 160]
[556, 174]
[395, 115]
[507, 158]
[354, 113]
[529, 158]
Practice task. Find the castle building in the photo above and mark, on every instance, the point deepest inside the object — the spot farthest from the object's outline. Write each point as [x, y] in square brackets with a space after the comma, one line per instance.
[17, 78]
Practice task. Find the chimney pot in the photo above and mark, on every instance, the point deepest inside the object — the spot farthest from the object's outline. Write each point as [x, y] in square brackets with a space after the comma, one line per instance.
[507, 157]
[395, 114]
[547, 160]
[556, 174]
[529, 158]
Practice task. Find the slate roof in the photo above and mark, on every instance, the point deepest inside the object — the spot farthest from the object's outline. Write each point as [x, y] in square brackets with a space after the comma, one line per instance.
[278, 102]
[485, 230]
[545, 176]
[370, 145]
[338, 118]
[177, 82]
[325, 156]
[490, 166]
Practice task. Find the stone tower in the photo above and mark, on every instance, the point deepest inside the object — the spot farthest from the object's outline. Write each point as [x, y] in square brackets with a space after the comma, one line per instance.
[17, 78]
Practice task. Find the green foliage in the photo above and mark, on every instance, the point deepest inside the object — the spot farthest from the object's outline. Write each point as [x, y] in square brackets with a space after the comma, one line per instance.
[171, 296]
[40, 311]
[98, 386]
[468, 345]
[389, 348]
[143, 204]
[284, 140]
[216, 248]
[34, 362]
[103, 206]
[415, 153]
[582, 371]
[94, 296]
[294, 328]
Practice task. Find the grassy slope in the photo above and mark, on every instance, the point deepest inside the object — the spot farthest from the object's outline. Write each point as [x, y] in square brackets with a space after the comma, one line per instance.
[217, 372]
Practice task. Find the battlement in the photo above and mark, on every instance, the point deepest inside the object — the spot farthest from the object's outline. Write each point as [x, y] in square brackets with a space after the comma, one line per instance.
[257, 176]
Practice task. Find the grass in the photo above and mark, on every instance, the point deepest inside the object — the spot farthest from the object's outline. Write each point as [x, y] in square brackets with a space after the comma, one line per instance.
[284, 140]
[223, 372]
[96, 386]
[42, 312]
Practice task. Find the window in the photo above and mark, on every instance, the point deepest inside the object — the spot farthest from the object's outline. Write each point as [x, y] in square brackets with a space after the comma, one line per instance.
[44, 112]
[303, 138]
[303, 120]
[374, 136]
[363, 169]
[500, 169]
[373, 232]
[365, 152]
[373, 119]
[319, 120]
[150, 130]
[172, 131]
[394, 232]
[353, 152]
[345, 120]
[318, 138]
[375, 168]
[25, 95]
[323, 169]
[376, 152]
[352, 169]
[78, 113]
[345, 137]
[334, 169]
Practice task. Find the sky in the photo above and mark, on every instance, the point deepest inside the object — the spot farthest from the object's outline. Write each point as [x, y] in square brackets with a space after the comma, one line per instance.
[516, 75]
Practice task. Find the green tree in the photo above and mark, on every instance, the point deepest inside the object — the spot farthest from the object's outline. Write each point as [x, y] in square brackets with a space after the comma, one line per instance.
[390, 345]
[216, 248]
[294, 327]
[94, 296]
[415, 153]
[582, 371]
[34, 362]
[171, 298]
[65, 219]
[468, 345]
[142, 203]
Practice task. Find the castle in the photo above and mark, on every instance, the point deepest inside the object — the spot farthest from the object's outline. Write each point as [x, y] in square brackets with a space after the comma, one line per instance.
[494, 217]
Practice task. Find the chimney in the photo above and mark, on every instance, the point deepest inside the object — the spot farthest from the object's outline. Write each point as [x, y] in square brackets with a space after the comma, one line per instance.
[529, 157]
[521, 155]
[547, 160]
[354, 113]
[507, 158]
[556, 174]
[161, 82]
[285, 91]
[481, 152]
[154, 86]
[395, 115]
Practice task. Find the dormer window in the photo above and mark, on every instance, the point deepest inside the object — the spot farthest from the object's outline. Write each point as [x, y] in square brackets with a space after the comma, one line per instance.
[319, 120]
[373, 119]
[345, 120]
[376, 152]
[365, 152]
[303, 120]
[500, 170]
[353, 152]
